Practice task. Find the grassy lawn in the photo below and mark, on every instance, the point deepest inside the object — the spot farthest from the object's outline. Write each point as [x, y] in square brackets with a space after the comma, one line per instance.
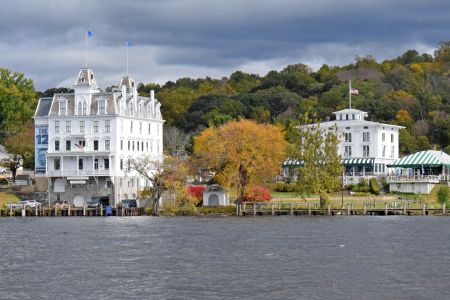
[7, 197]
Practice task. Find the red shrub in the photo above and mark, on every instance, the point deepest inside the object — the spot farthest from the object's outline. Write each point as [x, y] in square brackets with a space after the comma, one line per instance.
[257, 193]
[196, 191]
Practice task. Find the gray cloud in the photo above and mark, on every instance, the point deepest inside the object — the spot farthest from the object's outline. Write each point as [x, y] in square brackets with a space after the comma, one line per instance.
[177, 38]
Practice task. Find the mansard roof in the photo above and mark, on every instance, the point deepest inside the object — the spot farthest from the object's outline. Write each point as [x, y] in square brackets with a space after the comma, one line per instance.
[43, 107]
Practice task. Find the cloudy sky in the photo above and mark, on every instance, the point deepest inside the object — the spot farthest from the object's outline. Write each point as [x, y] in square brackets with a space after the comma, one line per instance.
[45, 39]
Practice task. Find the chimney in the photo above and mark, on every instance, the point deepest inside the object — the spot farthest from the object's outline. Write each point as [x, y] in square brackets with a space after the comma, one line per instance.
[152, 94]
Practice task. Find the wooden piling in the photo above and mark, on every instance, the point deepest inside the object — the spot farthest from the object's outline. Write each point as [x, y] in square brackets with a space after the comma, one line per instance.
[424, 207]
[291, 211]
[348, 208]
[273, 210]
[254, 208]
[364, 209]
[84, 210]
[404, 209]
[329, 209]
[443, 208]
[309, 209]
[385, 208]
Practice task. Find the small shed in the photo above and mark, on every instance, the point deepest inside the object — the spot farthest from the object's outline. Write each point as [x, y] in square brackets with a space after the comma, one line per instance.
[215, 195]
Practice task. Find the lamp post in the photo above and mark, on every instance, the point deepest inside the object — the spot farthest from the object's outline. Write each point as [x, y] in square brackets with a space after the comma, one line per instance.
[342, 191]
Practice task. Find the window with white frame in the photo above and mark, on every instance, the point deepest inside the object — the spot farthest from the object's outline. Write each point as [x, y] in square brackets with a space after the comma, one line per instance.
[149, 128]
[81, 126]
[348, 151]
[57, 126]
[80, 108]
[121, 144]
[348, 137]
[57, 164]
[95, 126]
[366, 137]
[68, 126]
[57, 145]
[383, 151]
[107, 126]
[392, 138]
[383, 137]
[107, 145]
[392, 151]
[121, 125]
[131, 126]
[84, 108]
[366, 151]
[63, 107]
[101, 107]
[140, 127]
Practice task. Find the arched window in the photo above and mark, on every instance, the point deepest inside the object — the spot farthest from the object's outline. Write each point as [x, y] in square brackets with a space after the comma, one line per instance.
[84, 108]
[79, 108]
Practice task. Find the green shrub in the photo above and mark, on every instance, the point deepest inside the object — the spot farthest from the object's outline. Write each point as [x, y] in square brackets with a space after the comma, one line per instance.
[374, 186]
[443, 194]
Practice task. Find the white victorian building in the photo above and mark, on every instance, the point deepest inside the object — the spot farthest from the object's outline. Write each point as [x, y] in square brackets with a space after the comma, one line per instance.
[366, 147]
[89, 137]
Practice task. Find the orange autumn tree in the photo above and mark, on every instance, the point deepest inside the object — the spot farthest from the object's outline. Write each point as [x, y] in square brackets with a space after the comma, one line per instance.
[241, 153]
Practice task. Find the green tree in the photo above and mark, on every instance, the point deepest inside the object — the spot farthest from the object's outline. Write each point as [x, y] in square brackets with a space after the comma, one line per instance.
[17, 101]
[317, 150]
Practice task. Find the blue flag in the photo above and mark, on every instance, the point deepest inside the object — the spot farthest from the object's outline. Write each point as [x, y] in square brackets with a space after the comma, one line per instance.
[128, 44]
[89, 33]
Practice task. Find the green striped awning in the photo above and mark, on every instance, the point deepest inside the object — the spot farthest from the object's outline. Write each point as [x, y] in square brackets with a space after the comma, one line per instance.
[429, 158]
[358, 162]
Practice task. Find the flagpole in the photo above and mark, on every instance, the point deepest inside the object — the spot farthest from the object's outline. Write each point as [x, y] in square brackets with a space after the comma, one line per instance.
[350, 93]
[86, 41]
[127, 58]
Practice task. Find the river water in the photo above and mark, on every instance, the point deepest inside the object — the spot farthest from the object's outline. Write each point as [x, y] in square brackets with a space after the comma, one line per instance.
[225, 258]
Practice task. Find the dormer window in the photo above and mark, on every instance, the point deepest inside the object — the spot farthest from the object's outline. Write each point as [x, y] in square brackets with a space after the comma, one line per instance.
[63, 108]
[82, 79]
[92, 76]
[101, 107]
[79, 108]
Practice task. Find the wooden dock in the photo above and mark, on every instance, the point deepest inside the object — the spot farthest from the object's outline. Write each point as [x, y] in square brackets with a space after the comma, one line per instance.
[367, 209]
[73, 212]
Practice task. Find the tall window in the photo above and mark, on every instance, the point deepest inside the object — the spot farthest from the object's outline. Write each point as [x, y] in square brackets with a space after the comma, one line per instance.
[81, 126]
[348, 137]
[57, 126]
[107, 126]
[129, 147]
[79, 108]
[121, 125]
[366, 152]
[95, 126]
[68, 126]
[95, 144]
[107, 144]
[56, 145]
[63, 108]
[106, 163]
[68, 145]
[101, 107]
[121, 144]
[366, 137]
[383, 151]
[137, 145]
[132, 145]
[149, 128]
[84, 108]
[140, 127]
[392, 138]
[80, 164]
[392, 151]
[131, 126]
[348, 151]
[121, 164]
[383, 137]
[57, 164]
[95, 163]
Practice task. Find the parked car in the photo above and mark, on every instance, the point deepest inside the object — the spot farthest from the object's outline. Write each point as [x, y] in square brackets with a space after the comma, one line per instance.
[97, 201]
[24, 204]
[129, 203]
[61, 204]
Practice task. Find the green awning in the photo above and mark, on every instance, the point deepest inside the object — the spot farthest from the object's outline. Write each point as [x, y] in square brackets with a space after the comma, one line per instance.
[429, 158]
[357, 162]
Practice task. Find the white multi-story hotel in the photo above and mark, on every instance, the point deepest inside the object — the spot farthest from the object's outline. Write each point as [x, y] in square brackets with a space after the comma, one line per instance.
[366, 147]
[84, 140]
